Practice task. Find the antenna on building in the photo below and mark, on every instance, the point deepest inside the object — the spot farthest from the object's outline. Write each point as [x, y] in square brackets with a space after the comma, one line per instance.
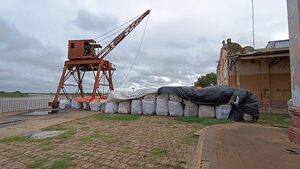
[253, 35]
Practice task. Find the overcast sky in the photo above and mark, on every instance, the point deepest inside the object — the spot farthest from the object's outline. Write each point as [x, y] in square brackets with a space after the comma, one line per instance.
[182, 40]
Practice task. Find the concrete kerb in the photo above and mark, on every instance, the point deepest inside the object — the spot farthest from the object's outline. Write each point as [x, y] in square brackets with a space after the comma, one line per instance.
[197, 156]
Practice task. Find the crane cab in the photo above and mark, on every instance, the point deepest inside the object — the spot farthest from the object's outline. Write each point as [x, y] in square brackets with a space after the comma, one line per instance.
[82, 49]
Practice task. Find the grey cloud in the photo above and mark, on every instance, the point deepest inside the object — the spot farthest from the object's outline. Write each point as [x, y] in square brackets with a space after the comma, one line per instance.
[26, 63]
[88, 21]
[178, 46]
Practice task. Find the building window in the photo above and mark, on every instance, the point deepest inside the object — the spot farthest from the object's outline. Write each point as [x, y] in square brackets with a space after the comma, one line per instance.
[72, 45]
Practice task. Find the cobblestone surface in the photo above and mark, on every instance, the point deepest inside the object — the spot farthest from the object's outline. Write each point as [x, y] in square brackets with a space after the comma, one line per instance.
[148, 142]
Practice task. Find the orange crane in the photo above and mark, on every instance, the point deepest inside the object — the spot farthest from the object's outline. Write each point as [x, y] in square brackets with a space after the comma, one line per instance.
[83, 57]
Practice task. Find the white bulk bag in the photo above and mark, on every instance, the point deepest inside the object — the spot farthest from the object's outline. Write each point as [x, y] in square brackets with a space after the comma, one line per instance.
[95, 106]
[148, 107]
[163, 96]
[124, 107]
[223, 111]
[64, 104]
[150, 97]
[136, 107]
[76, 105]
[111, 107]
[162, 108]
[206, 111]
[175, 108]
[102, 107]
[85, 105]
[175, 98]
[190, 109]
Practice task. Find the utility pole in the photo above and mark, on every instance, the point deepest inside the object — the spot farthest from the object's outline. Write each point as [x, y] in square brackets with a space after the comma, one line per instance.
[253, 34]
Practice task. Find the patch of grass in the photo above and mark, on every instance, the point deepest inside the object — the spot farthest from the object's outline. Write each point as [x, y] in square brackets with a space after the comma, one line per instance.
[111, 140]
[85, 140]
[39, 163]
[275, 119]
[56, 127]
[62, 163]
[85, 154]
[158, 152]
[189, 139]
[82, 123]
[84, 128]
[91, 138]
[15, 139]
[117, 117]
[47, 145]
[69, 132]
[202, 121]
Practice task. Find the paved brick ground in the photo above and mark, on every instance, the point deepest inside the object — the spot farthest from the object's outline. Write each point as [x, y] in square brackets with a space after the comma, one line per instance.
[247, 146]
[149, 142]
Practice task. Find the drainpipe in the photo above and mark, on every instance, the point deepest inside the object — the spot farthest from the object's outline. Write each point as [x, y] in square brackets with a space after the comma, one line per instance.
[293, 7]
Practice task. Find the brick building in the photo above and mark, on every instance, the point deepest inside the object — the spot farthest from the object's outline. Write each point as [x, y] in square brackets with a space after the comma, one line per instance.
[264, 71]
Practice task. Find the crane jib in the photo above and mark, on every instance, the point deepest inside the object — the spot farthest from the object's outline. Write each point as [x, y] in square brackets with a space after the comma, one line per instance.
[121, 36]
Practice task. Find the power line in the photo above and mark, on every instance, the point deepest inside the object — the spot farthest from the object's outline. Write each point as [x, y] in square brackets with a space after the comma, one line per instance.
[116, 27]
[113, 33]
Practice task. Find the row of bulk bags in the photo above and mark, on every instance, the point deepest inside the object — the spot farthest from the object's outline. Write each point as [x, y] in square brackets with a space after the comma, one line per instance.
[67, 104]
[162, 105]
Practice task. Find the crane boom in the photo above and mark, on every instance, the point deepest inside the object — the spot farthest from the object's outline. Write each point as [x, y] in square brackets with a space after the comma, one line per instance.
[121, 36]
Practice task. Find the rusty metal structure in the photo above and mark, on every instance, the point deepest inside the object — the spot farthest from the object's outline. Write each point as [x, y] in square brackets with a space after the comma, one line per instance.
[88, 56]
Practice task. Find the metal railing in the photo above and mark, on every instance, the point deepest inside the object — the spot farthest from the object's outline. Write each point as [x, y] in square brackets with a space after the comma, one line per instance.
[20, 104]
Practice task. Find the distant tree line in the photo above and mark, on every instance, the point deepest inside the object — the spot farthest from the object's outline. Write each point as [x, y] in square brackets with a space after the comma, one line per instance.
[13, 94]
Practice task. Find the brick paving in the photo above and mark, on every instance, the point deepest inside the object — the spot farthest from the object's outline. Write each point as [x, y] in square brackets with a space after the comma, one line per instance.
[247, 146]
[149, 142]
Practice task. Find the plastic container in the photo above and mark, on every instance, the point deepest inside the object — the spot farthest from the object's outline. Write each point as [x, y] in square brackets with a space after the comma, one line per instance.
[223, 111]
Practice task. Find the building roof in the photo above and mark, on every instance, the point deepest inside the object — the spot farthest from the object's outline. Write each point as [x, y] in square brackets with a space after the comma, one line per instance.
[279, 48]
[278, 44]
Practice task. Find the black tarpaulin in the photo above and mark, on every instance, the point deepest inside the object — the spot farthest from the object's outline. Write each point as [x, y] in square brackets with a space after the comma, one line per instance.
[218, 95]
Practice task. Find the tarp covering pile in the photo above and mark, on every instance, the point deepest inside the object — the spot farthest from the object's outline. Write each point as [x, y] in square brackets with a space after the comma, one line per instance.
[242, 100]
[118, 96]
